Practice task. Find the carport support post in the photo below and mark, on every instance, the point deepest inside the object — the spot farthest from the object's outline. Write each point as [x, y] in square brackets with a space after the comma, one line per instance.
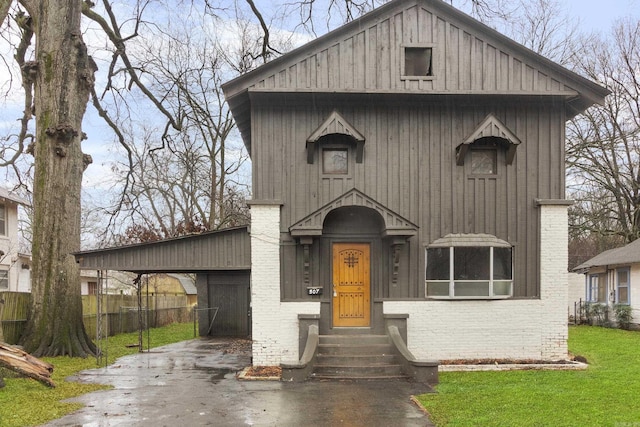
[203, 303]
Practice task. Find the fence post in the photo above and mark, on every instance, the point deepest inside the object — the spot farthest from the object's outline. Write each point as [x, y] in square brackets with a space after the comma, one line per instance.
[1, 313]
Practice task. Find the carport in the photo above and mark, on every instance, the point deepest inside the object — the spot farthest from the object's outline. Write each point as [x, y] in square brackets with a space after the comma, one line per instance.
[221, 261]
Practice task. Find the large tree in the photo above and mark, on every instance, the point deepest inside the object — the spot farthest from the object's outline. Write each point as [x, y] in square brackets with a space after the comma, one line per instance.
[60, 79]
[603, 145]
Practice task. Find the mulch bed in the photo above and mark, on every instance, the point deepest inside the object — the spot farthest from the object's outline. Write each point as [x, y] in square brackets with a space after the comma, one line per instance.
[263, 371]
[512, 361]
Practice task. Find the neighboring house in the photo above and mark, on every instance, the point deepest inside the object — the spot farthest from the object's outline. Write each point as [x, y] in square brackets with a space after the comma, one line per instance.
[613, 277]
[15, 274]
[408, 169]
[410, 165]
[116, 282]
[576, 294]
[172, 284]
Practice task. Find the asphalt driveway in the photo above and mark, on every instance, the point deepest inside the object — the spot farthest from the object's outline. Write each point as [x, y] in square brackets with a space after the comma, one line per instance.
[193, 383]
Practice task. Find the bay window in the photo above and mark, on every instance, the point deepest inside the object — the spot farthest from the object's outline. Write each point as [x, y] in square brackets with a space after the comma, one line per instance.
[469, 267]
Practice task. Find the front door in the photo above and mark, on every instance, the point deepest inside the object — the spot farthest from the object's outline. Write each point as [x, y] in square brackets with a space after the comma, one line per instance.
[351, 284]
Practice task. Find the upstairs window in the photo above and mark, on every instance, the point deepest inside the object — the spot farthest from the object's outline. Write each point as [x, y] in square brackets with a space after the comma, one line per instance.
[3, 220]
[418, 62]
[473, 267]
[484, 161]
[335, 161]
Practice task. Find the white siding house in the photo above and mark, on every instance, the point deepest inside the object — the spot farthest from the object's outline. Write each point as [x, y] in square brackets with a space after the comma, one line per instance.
[14, 266]
[613, 277]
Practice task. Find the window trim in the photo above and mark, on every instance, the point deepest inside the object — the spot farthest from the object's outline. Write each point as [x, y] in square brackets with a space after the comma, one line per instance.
[327, 148]
[350, 159]
[496, 162]
[593, 288]
[457, 241]
[403, 72]
[4, 279]
[627, 285]
[4, 213]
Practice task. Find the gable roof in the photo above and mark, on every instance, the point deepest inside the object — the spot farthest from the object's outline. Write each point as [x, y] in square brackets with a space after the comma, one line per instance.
[7, 195]
[395, 225]
[335, 124]
[364, 56]
[628, 254]
[187, 283]
[491, 127]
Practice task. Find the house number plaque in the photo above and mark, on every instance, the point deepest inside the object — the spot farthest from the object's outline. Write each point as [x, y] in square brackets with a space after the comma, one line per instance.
[314, 290]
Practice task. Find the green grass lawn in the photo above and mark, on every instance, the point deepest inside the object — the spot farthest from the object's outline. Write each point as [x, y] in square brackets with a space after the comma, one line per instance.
[606, 394]
[26, 402]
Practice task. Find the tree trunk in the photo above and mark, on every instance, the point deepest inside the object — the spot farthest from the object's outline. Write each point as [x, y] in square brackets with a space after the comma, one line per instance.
[63, 78]
[18, 361]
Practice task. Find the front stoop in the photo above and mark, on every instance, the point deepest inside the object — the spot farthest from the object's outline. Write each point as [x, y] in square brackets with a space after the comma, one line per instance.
[356, 357]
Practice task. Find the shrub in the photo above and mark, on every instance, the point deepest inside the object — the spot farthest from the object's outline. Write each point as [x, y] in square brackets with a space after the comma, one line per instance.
[623, 315]
[597, 314]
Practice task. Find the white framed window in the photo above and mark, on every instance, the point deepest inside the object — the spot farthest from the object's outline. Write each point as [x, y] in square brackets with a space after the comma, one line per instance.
[465, 271]
[3, 220]
[4, 280]
[622, 286]
[597, 291]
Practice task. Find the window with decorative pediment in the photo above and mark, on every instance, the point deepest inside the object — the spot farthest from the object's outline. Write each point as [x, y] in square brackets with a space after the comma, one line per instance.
[338, 142]
[490, 141]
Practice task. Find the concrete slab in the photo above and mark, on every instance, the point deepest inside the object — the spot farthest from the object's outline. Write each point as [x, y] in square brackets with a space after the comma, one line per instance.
[194, 383]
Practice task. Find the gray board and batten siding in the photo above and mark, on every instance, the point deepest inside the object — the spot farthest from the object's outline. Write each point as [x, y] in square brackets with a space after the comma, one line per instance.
[220, 259]
[228, 249]
[411, 128]
[409, 166]
[364, 57]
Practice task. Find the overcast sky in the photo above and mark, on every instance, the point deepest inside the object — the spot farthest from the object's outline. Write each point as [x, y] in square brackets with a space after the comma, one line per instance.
[600, 14]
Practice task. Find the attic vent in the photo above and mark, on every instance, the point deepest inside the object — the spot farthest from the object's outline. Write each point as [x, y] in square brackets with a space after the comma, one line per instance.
[418, 62]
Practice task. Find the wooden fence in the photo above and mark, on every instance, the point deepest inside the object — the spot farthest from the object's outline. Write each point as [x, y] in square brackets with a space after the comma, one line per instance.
[13, 314]
[120, 313]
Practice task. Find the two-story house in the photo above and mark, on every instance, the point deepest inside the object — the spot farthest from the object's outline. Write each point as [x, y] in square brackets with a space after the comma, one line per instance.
[410, 165]
[408, 172]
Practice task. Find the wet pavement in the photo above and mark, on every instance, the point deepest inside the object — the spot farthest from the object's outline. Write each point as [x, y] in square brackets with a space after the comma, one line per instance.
[194, 383]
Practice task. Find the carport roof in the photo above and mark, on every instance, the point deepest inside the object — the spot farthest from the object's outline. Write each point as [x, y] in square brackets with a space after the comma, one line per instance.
[227, 249]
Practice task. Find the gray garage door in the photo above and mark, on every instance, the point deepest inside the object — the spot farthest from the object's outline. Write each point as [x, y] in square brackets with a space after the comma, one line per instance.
[231, 293]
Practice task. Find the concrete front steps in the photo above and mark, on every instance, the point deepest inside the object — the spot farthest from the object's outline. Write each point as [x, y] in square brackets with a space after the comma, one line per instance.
[356, 356]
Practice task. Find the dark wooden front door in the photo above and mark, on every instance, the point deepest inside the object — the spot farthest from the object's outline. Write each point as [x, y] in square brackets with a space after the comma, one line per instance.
[351, 284]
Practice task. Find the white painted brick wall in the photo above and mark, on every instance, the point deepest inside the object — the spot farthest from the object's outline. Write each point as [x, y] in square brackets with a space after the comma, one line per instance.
[274, 324]
[554, 253]
[522, 329]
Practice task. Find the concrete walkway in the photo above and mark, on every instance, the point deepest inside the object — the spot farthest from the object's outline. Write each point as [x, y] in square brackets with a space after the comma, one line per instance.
[194, 383]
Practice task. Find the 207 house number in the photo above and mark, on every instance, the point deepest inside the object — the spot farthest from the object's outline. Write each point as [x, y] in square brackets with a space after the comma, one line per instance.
[314, 291]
